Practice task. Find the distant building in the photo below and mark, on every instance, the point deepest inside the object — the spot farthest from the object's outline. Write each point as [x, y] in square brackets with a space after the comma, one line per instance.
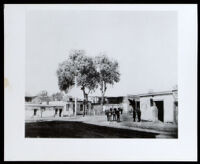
[44, 107]
[29, 98]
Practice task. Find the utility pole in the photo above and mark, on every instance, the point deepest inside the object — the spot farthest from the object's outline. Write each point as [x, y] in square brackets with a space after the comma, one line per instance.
[75, 96]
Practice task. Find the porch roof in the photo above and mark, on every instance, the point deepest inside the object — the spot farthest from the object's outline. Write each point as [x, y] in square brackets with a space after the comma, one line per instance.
[43, 105]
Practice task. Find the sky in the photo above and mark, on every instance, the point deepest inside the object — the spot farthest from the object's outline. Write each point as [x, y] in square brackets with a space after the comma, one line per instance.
[143, 42]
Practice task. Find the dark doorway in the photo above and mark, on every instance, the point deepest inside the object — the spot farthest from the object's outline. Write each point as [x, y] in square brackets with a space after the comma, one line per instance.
[81, 107]
[56, 111]
[73, 109]
[176, 112]
[160, 107]
[35, 112]
[60, 112]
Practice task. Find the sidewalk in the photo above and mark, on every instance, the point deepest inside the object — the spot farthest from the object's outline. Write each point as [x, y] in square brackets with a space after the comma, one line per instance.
[127, 123]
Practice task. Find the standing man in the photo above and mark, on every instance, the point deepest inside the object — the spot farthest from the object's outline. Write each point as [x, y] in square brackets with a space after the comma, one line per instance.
[107, 114]
[110, 114]
[132, 103]
[134, 115]
[114, 114]
[139, 114]
[118, 115]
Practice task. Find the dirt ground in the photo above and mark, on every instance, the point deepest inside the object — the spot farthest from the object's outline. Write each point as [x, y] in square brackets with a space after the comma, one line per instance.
[166, 130]
[74, 129]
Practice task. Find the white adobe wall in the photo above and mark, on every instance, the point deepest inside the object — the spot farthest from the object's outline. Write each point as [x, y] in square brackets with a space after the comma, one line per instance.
[168, 102]
[69, 111]
[48, 112]
[29, 111]
[146, 112]
[168, 108]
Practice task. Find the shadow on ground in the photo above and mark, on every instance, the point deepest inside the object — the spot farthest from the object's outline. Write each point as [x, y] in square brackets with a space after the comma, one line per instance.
[75, 129]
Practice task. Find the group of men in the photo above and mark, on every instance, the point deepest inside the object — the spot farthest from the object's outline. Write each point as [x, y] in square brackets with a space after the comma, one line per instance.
[113, 114]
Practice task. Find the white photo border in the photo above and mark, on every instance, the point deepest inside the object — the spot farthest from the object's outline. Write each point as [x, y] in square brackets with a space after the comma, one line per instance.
[19, 148]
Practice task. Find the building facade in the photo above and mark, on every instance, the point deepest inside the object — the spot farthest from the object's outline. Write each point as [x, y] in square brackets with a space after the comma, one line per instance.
[54, 108]
[166, 103]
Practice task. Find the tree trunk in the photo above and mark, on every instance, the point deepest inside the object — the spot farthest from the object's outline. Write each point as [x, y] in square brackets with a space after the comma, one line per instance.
[103, 90]
[85, 95]
[102, 100]
[86, 99]
[84, 104]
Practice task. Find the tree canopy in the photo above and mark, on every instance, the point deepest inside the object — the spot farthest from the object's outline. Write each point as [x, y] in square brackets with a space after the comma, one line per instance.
[108, 69]
[90, 72]
[80, 65]
[57, 96]
[108, 72]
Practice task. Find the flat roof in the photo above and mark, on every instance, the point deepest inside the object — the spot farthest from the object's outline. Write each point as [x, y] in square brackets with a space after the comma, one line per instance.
[43, 105]
[154, 94]
[30, 96]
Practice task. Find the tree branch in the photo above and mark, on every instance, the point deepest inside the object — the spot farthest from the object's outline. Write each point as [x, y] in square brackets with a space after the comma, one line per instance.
[89, 91]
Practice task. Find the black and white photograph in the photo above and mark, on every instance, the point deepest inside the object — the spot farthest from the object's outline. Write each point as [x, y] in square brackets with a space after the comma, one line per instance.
[101, 73]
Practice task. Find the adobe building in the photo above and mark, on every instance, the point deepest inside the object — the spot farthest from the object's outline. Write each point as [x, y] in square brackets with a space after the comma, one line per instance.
[166, 102]
[54, 108]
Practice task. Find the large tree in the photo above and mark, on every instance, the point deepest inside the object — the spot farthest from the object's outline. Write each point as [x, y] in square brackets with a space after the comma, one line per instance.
[81, 66]
[108, 73]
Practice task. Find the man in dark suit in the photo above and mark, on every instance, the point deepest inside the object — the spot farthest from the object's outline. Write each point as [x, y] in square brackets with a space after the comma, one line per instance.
[114, 114]
[132, 103]
[118, 114]
[110, 114]
[139, 114]
[107, 114]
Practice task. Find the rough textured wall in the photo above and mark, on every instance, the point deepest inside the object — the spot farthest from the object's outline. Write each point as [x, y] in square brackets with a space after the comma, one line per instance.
[146, 111]
[168, 104]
